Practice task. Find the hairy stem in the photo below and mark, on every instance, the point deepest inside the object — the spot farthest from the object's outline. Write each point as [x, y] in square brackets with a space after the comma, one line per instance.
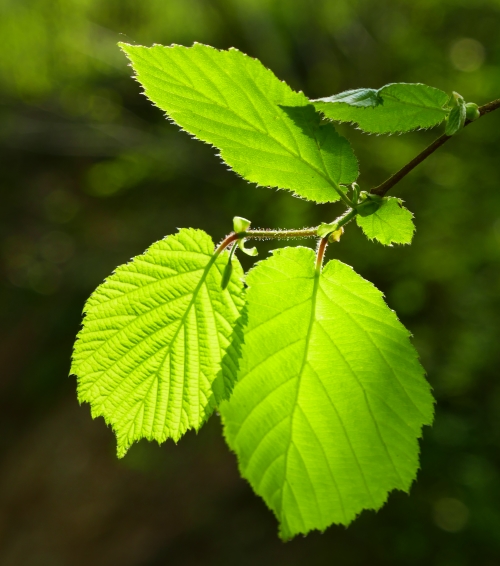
[227, 241]
[278, 234]
[321, 253]
[382, 189]
[326, 229]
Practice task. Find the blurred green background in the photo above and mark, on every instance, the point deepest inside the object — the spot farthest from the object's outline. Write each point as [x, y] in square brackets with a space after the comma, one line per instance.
[92, 174]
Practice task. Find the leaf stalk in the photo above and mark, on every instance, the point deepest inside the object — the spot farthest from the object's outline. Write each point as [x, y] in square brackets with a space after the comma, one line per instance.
[321, 253]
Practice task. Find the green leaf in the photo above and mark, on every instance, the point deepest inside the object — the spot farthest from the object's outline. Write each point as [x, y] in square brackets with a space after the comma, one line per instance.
[330, 399]
[360, 97]
[160, 340]
[456, 119]
[403, 107]
[392, 223]
[265, 131]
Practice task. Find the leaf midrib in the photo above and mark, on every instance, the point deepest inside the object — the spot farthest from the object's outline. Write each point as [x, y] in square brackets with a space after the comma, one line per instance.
[181, 325]
[406, 103]
[182, 320]
[387, 96]
[312, 318]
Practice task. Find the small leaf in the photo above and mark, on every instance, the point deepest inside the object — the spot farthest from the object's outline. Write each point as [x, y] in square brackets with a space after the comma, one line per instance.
[361, 97]
[458, 114]
[330, 399]
[160, 340]
[241, 224]
[392, 223]
[249, 251]
[403, 107]
[265, 131]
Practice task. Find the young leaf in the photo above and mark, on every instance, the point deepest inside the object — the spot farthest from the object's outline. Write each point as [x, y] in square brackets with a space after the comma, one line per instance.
[265, 131]
[402, 107]
[458, 114]
[330, 399]
[160, 340]
[360, 97]
[240, 225]
[392, 223]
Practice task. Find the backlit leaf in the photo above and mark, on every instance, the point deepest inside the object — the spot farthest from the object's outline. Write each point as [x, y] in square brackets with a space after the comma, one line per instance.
[402, 107]
[360, 97]
[330, 399]
[265, 131]
[392, 223]
[458, 114]
[160, 340]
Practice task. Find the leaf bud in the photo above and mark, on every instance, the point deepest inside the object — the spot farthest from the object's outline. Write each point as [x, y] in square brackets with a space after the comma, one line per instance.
[226, 276]
[240, 224]
[472, 111]
[335, 236]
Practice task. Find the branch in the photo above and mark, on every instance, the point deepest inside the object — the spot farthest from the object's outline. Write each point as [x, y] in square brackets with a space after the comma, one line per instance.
[351, 213]
[382, 189]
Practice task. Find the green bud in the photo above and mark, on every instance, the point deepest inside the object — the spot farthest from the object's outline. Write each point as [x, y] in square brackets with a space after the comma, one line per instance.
[335, 236]
[472, 111]
[355, 192]
[455, 99]
[240, 224]
[226, 276]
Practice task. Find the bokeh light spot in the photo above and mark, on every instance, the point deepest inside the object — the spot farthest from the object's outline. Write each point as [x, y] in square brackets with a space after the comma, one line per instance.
[467, 54]
[450, 514]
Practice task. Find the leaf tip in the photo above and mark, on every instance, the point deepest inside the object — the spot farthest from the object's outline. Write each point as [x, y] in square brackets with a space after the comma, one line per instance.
[122, 448]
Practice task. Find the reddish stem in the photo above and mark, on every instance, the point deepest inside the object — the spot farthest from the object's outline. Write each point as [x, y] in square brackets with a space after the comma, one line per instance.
[227, 241]
[321, 253]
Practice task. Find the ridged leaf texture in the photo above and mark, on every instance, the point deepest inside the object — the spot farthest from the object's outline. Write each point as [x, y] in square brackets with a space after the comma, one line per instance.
[397, 107]
[392, 223]
[265, 131]
[330, 399]
[160, 340]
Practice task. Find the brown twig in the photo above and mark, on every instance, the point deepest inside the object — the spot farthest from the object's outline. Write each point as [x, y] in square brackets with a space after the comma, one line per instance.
[382, 189]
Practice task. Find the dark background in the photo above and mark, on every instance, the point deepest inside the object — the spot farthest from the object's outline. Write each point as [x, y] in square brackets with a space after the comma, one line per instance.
[92, 174]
